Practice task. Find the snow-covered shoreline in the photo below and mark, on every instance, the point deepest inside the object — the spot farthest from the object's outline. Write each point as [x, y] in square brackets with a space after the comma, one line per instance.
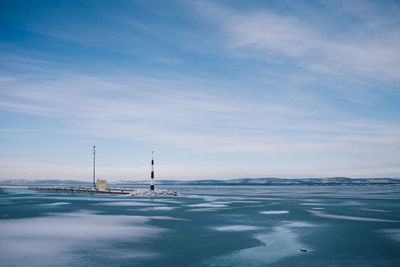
[150, 193]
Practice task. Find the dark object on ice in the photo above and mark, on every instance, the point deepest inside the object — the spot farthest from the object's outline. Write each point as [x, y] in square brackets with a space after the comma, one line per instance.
[303, 249]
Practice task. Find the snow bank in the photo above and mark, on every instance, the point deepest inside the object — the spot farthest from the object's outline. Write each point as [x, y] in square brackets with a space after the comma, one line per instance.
[153, 193]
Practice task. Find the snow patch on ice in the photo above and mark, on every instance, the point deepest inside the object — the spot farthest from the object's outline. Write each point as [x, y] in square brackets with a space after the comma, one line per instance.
[126, 203]
[298, 224]
[237, 228]
[313, 204]
[62, 238]
[392, 234]
[168, 201]
[55, 204]
[167, 218]
[208, 205]
[346, 217]
[203, 209]
[351, 203]
[205, 197]
[245, 201]
[158, 209]
[6, 202]
[273, 212]
[152, 193]
[268, 198]
[376, 210]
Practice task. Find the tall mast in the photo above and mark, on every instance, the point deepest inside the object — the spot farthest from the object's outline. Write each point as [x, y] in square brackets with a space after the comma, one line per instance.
[94, 166]
[152, 171]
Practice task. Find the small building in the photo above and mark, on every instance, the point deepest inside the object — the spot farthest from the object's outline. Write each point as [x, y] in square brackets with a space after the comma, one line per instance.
[101, 184]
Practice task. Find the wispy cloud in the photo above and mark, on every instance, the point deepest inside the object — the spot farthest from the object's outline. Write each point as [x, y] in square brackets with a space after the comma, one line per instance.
[164, 111]
[372, 51]
[168, 61]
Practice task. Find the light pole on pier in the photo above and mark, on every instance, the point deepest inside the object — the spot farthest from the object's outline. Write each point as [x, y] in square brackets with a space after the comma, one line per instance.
[94, 166]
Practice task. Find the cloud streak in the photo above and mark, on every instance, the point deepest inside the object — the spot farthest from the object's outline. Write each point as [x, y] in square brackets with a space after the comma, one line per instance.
[371, 52]
[204, 120]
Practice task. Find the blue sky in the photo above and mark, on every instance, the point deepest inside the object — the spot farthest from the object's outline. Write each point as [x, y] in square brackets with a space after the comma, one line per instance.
[219, 89]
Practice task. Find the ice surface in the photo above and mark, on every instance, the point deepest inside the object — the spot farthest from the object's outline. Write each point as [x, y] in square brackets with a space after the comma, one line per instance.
[101, 230]
[282, 242]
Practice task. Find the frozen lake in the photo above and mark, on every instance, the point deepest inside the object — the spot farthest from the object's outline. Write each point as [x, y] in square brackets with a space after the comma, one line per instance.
[207, 226]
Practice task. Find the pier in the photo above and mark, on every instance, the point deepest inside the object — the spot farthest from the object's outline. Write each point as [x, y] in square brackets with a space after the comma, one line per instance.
[100, 186]
[116, 191]
[82, 190]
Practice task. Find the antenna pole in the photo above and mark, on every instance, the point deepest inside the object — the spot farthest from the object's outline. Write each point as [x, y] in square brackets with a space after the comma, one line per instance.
[152, 171]
[94, 166]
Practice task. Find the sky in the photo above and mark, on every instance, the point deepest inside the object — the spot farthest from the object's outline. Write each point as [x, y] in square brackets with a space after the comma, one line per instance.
[218, 89]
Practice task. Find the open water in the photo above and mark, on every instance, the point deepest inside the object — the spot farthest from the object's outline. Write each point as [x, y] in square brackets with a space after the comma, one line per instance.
[207, 226]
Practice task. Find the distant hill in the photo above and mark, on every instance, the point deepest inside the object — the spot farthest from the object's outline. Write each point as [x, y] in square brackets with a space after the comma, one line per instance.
[277, 181]
[243, 181]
